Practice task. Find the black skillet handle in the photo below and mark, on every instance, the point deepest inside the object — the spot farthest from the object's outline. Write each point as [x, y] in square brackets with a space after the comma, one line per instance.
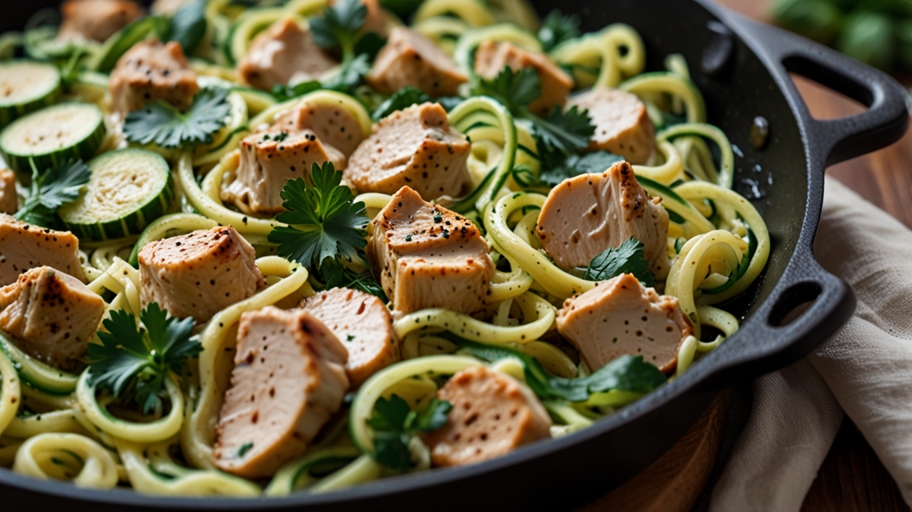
[883, 123]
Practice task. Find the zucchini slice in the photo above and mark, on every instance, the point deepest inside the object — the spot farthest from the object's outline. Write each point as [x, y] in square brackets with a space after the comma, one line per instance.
[127, 190]
[37, 374]
[26, 86]
[53, 135]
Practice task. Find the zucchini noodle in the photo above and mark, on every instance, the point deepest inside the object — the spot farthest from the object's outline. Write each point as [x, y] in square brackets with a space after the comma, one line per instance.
[59, 456]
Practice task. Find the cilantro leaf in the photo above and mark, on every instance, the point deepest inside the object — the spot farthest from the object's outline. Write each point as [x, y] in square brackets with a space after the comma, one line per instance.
[555, 171]
[626, 259]
[323, 220]
[188, 26]
[340, 26]
[557, 28]
[515, 90]
[163, 124]
[394, 424]
[625, 373]
[136, 361]
[401, 99]
[49, 191]
[350, 75]
[565, 131]
[337, 276]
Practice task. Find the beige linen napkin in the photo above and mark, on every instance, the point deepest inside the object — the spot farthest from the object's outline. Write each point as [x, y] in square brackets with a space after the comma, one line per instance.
[864, 370]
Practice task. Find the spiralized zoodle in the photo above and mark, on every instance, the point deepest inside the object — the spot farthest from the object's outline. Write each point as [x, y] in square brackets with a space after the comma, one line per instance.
[56, 424]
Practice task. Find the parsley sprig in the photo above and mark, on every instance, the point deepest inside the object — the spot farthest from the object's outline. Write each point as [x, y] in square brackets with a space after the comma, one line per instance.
[557, 28]
[135, 361]
[324, 221]
[559, 132]
[51, 190]
[166, 126]
[394, 423]
[628, 258]
[340, 27]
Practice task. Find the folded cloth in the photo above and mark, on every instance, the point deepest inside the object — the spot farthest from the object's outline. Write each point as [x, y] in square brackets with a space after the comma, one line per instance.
[864, 370]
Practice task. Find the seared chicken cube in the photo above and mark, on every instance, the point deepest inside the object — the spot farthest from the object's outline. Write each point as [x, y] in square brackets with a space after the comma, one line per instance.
[622, 125]
[152, 71]
[9, 202]
[363, 324]
[50, 315]
[268, 160]
[282, 54]
[23, 247]
[414, 147]
[620, 317]
[333, 124]
[410, 58]
[429, 257]
[96, 20]
[492, 415]
[288, 380]
[376, 17]
[590, 213]
[198, 274]
[491, 57]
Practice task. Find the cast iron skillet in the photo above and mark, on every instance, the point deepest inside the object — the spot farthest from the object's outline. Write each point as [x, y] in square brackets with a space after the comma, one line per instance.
[784, 181]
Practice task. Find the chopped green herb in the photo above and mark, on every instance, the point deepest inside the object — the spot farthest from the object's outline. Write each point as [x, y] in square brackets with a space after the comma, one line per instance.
[51, 190]
[340, 27]
[279, 137]
[401, 99]
[394, 424]
[567, 166]
[626, 259]
[350, 337]
[246, 447]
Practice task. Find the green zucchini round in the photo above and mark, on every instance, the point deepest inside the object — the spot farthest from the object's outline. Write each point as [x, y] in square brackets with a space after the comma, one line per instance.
[26, 86]
[127, 190]
[52, 136]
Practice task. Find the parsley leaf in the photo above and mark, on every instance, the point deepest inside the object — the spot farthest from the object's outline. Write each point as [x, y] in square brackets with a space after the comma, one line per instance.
[625, 373]
[163, 124]
[334, 275]
[394, 424]
[324, 221]
[340, 26]
[556, 171]
[136, 361]
[557, 28]
[49, 191]
[403, 98]
[626, 259]
[188, 26]
[562, 132]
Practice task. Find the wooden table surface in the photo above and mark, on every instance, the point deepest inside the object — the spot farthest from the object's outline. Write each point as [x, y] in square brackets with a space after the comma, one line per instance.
[852, 478]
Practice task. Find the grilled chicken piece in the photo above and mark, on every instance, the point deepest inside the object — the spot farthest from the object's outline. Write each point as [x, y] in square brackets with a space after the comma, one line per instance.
[200, 273]
[363, 324]
[620, 317]
[152, 71]
[492, 415]
[23, 247]
[96, 20]
[411, 58]
[429, 257]
[622, 125]
[289, 379]
[282, 54]
[585, 215]
[287, 150]
[50, 315]
[414, 147]
[9, 202]
[491, 57]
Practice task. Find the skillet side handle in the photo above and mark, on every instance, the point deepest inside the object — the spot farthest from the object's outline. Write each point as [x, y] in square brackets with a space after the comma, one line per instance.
[887, 117]
[807, 307]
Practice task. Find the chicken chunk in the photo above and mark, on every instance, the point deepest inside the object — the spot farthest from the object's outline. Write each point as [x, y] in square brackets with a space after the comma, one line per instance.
[622, 125]
[152, 71]
[285, 151]
[410, 58]
[96, 20]
[363, 324]
[414, 147]
[289, 379]
[23, 247]
[50, 315]
[282, 54]
[491, 57]
[429, 257]
[620, 317]
[9, 202]
[492, 415]
[198, 274]
[587, 214]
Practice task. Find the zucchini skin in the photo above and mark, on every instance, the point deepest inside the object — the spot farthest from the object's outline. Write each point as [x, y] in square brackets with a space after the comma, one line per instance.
[9, 113]
[81, 150]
